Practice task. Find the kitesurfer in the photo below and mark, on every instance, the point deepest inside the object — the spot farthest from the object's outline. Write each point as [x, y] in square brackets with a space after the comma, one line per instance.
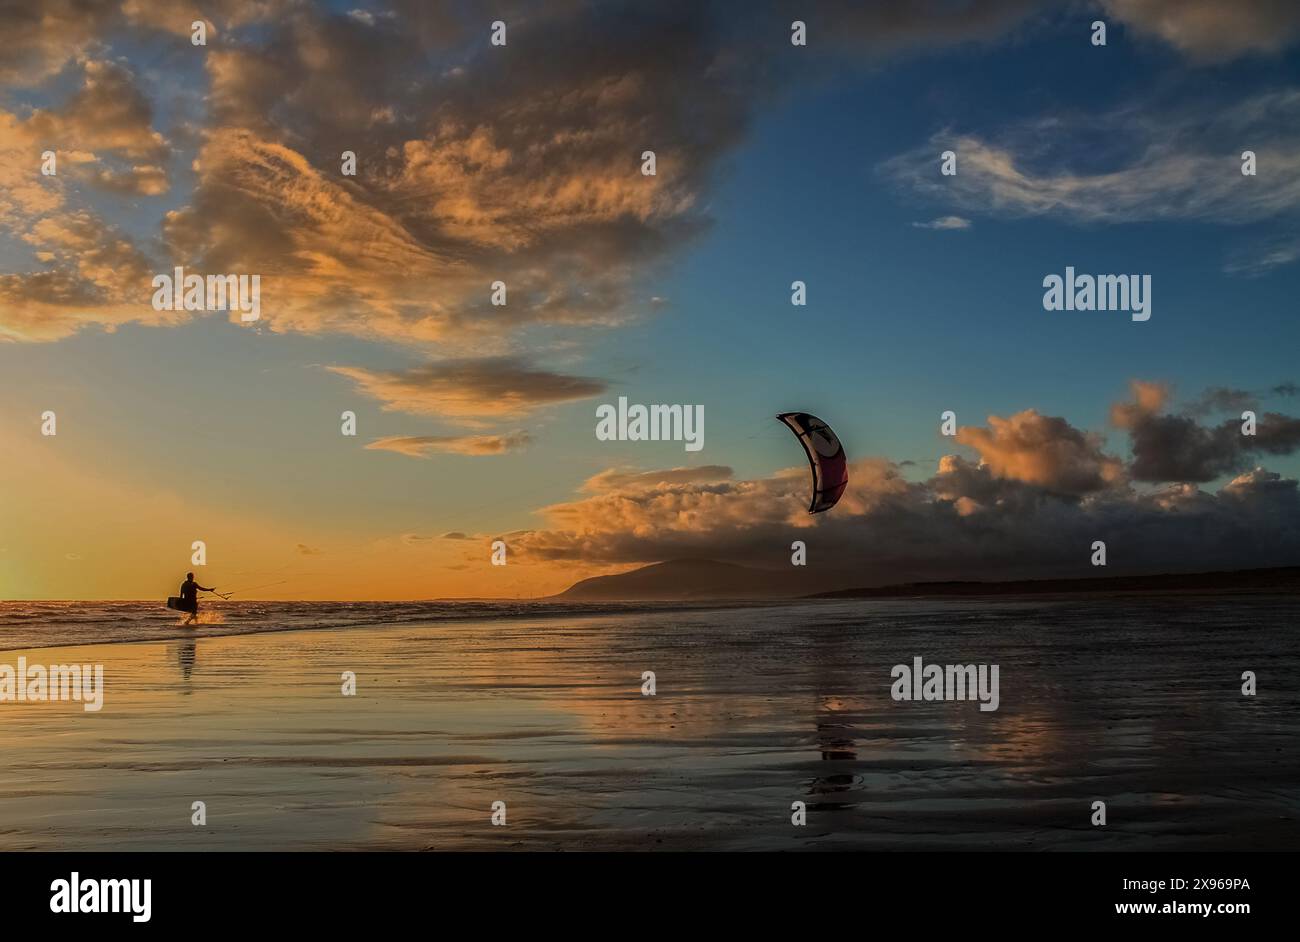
[190, 596]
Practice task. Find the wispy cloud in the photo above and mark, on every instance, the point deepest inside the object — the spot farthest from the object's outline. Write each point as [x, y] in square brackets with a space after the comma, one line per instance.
[1165, 164]
[945, 222]
[492, 387]
[1211, 30]
[421, 446]
[1260, 258]
[625, 479]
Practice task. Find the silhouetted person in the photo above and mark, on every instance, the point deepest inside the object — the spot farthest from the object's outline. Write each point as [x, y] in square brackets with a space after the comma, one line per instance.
[190, 596]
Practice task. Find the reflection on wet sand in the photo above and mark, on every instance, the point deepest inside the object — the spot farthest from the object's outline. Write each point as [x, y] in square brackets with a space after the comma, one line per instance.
[1130, 701]
[185, 653]
[836, 742]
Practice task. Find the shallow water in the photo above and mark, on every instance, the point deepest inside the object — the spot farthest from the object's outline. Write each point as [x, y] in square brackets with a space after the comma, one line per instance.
[44, 624]
[1132, 701]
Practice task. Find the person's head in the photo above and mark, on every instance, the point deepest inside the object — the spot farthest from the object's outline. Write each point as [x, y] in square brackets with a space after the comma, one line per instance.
[189, 577]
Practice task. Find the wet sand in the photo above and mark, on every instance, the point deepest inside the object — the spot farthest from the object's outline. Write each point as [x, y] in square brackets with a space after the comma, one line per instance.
[1134, 702]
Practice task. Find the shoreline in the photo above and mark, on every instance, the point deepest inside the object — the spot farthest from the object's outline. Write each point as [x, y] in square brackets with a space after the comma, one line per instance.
[175, 631]
[168, 627]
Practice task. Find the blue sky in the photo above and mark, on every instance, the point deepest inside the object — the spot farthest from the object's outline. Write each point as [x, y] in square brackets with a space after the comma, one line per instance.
[903, 323]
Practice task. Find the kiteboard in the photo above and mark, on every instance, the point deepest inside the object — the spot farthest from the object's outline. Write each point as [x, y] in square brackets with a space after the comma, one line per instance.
[181, 605]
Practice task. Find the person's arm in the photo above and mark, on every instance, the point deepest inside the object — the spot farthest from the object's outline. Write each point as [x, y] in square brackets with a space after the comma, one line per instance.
[203, 588]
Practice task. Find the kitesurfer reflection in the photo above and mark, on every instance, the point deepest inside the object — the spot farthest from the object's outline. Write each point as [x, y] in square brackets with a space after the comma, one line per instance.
[834, 719]
[836, 743]
[186, 653]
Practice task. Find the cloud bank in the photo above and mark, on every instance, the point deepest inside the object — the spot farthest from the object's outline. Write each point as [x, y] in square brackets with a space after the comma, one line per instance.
[1030, 503]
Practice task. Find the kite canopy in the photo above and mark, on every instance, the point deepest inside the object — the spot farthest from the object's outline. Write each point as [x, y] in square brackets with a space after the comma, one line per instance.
[830, 466]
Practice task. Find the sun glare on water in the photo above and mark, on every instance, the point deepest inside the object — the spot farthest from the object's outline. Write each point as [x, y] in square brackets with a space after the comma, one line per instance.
[205, 618]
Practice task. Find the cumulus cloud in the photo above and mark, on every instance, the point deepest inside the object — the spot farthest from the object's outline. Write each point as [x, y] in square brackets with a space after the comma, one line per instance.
[493, 387]
[1223, 399]
[137, 180]
[1045, 451]
[107, 113]
[91, 272]
[1031, 503]
[102, 135]
[175, 16]
[421, 446]
[25, 194]
[1267, 488]
[962, 523]
[40, 38]
[1176, 447]
[95, 275]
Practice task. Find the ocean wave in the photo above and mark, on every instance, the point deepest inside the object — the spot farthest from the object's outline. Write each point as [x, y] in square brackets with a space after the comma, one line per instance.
[43, 624]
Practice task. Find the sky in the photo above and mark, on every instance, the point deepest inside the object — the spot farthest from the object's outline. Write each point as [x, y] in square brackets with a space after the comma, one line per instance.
[523, 163]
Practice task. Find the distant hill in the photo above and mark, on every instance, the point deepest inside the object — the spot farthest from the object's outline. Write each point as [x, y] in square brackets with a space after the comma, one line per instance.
[1284, 579]
[685, 579]
[708, 579]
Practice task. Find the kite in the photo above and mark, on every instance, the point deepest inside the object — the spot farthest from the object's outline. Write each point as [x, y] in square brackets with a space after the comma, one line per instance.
[830, 466]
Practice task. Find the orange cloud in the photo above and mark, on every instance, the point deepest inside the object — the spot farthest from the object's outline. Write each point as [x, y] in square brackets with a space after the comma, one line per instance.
[1045, 451]
[97, 275]
[107, 113]
[420, 446]
[1148, 399]
[40, 38]
[619, 479]
[93, 272]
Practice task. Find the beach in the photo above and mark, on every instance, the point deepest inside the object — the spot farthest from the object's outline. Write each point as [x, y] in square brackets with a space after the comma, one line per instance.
[1133, 701]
